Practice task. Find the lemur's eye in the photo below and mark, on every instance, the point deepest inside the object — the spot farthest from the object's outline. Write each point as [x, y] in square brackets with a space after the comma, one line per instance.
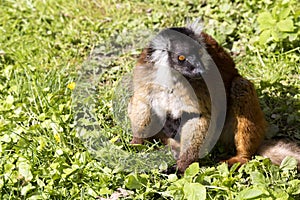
[181, 58]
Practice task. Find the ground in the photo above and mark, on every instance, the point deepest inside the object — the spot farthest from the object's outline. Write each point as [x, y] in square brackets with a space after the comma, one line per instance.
[63, 128]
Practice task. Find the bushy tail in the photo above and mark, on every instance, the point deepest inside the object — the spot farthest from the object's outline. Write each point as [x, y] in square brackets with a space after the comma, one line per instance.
[278, 149]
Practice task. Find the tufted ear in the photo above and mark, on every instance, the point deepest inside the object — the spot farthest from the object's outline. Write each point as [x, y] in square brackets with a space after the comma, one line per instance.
[196, 26]
[159, 47]
[160, 42]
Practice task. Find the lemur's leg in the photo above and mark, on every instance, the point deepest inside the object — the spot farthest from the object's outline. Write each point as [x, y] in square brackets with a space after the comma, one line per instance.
[144, 123]
[192, 137]
[140, 118]
[251, 125]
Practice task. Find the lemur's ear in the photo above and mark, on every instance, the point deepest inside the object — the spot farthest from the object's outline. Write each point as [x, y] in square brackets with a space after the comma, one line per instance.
[160, 42]
[196, 26]
[159, 48]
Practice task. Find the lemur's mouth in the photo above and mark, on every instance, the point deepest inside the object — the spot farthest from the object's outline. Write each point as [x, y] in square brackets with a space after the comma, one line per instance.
[193, 76]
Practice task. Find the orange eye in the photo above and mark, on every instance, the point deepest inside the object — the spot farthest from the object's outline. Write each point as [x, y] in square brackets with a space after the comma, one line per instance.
[181, 58]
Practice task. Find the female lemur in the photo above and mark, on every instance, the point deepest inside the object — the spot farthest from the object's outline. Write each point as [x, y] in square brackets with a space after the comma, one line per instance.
[171, 98]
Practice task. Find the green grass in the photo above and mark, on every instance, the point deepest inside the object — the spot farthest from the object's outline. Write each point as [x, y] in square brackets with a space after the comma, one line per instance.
[47, 45]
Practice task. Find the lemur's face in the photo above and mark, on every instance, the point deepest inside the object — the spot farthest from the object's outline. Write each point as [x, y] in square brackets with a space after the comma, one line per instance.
[185, 57]
[180, 49]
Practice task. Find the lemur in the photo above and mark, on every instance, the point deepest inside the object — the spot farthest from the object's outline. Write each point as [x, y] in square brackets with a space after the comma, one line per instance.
[171, 101]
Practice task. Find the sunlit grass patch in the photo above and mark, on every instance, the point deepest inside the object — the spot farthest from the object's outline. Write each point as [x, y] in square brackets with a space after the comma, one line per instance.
[45, 45]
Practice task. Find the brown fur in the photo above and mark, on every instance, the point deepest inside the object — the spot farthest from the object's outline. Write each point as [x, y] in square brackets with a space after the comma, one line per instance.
[245, 125]
[220, 57]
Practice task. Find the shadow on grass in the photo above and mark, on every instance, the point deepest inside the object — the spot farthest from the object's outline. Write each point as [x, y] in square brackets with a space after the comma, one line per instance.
[281, 105]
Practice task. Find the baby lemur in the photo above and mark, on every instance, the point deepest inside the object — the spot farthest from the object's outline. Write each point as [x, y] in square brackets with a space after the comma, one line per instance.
[171, 100]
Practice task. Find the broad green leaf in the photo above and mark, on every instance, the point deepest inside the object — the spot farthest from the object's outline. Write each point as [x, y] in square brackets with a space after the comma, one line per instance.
[251, 193]
[258, 178]
[284, 35]
[194, 191]
[294, 187]
[8, 167]
[264, 37]
[178, 184]
[132, 182]
[275, 35]
[286, 25]
[280, 195]
[192, 170]
[275, 12]
[284, 13]
[288, 163]
[223, 169]
[8, 170]
[105, 190]
[266, 21]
